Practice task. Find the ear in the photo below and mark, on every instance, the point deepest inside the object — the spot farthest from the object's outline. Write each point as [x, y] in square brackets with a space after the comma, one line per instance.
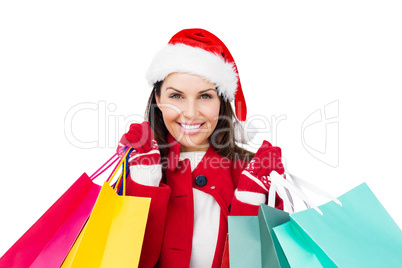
[158, 100]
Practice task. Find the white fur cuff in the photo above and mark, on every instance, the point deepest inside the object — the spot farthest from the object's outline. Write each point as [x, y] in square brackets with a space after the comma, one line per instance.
[251, 198]
[148, 175]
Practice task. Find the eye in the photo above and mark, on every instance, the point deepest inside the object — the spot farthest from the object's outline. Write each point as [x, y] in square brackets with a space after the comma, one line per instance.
[205, 96]
[175, 96]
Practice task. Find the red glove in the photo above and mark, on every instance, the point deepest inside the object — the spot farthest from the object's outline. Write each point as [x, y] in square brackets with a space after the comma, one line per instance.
[139, 137]
[145, 160]
[254, 181]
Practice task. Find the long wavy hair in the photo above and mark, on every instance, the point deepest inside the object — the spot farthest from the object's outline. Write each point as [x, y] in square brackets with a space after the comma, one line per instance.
[222, 138]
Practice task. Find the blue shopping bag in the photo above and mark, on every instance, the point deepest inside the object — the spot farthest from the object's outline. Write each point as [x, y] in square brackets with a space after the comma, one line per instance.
[272, 255]
[252, 243]
[358, 233]
[298, 251]
[244, 241]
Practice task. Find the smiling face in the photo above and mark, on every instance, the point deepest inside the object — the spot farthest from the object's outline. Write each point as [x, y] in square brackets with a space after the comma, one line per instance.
[190, 108]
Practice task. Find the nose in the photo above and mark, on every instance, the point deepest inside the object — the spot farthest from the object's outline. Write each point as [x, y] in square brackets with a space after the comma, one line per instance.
[191, 109]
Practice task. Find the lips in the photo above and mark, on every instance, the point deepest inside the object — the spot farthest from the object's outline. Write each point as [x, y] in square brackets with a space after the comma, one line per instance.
[191, 128]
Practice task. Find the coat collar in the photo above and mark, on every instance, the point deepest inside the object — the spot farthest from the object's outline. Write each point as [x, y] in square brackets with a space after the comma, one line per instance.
[174, 152]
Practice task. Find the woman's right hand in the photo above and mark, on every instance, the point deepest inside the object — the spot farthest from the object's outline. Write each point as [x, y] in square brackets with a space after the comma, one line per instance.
[145, 160]
[140, 137]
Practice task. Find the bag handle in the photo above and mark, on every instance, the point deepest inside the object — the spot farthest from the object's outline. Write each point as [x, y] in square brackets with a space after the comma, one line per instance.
[117, 166]
[123, 161]
[96, 174]
[123, 176]
[293, 185]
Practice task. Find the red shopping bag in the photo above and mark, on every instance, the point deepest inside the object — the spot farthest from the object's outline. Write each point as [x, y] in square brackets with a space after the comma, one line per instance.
[47, 242]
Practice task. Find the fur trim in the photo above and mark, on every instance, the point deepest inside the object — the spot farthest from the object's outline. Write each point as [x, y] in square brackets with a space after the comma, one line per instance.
[242, 132]
[194, 60]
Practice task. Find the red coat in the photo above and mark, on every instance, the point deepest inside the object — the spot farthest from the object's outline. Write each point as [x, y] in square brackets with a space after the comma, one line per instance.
[169, 231]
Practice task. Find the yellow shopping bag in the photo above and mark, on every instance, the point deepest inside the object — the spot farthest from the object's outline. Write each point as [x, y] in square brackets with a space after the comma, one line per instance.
[113, 234]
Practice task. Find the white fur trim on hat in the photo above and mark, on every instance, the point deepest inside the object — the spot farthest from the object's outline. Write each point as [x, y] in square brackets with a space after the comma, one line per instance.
[193, 60]
[244, 131]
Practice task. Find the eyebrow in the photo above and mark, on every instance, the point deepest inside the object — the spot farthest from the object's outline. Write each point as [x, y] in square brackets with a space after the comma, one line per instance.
[203, 91]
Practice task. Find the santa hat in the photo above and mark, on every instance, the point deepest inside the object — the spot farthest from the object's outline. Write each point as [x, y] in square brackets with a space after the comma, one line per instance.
[199, 52]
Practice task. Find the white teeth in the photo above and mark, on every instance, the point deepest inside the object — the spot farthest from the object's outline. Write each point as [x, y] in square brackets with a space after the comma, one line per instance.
[190, 126]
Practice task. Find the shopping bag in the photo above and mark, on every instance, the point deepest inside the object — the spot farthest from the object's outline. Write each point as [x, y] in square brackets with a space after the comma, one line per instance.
[252, 243]
[298, 251]
[252, 238]
[357, 233]
[292, 249]
[47, 242]
[244, 241]
[114, 233]
[272, 255]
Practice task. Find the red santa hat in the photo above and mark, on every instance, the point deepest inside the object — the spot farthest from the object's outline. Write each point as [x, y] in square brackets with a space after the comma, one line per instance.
[199, 52]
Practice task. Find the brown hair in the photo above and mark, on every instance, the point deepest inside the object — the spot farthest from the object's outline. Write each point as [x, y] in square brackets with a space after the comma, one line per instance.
[222, 138]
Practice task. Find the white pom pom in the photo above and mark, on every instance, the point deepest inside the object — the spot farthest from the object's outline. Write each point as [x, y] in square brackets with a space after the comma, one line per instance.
[244, 131]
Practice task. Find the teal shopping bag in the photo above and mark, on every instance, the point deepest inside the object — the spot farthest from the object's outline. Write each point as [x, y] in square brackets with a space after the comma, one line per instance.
[272, 255]
[244, 242]
[358, 233]
[252, 243]
[298, 250]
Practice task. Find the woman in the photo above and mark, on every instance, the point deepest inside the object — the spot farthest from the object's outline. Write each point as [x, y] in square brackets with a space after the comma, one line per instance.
[186, 158]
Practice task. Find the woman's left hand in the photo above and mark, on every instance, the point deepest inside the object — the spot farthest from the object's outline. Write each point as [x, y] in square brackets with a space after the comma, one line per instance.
[267, 159]
[254, 181]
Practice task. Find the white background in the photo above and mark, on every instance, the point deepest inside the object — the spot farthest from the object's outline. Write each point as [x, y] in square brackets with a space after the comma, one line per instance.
[294, 58]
